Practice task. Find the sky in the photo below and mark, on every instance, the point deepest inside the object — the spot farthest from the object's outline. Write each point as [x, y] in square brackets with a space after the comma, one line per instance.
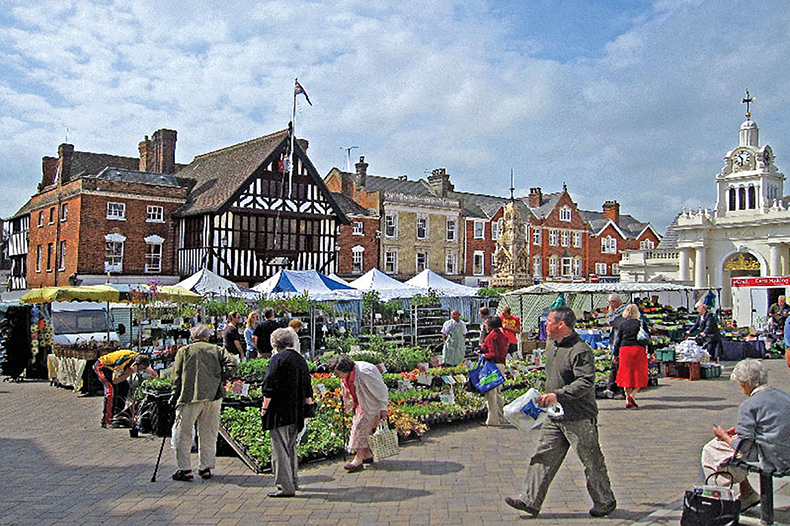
[633, 101]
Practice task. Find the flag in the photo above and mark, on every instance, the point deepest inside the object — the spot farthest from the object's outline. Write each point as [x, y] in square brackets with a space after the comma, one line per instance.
[298, 89]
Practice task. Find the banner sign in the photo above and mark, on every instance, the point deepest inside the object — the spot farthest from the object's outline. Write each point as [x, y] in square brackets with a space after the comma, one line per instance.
[777, 281]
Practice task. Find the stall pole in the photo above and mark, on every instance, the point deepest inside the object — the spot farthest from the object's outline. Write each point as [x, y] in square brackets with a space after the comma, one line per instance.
[312, 331]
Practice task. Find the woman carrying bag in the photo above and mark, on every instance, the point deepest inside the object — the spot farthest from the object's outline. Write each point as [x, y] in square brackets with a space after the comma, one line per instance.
[631, 349]
[366, 396]
[495, 349]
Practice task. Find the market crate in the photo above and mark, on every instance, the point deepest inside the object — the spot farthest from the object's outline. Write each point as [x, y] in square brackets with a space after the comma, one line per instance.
[665, 355]
[70, 351]
[688, 370]
[710, 370]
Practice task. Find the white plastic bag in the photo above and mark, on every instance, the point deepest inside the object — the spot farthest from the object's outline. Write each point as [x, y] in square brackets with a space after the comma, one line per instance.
[524, 413]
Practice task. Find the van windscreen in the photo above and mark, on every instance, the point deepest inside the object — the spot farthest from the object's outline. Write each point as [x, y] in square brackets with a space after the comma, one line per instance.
[75, 322]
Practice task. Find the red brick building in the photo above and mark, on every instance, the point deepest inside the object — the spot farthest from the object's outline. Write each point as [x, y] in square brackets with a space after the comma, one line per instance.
[96, 214]
[357, 242]
[610, 234]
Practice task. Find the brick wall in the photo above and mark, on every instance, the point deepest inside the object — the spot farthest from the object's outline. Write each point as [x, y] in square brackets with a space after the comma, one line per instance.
[346, 240]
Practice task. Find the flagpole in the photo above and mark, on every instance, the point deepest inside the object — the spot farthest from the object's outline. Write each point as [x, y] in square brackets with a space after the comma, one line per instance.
[293, 134]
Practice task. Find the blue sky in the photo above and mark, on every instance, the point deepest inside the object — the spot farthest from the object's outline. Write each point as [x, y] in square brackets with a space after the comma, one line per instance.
[636, 101]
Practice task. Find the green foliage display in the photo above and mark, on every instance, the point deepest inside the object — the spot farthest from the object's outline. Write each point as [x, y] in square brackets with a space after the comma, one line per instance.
[491, 292]
[252, 371]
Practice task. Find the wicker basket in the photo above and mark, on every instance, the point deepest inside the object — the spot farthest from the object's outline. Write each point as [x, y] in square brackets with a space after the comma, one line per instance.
[69, 351]
[384, 442]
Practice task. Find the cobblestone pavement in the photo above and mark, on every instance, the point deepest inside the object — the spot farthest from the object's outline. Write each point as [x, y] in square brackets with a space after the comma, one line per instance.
[60, 468]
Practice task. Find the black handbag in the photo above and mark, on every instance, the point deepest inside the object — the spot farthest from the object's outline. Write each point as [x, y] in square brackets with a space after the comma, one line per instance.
[309, 410]
[710, 505]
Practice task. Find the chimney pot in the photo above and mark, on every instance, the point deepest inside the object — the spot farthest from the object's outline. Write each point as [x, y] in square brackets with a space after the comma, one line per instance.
[362, 171]
[611, 210]
[535, 197]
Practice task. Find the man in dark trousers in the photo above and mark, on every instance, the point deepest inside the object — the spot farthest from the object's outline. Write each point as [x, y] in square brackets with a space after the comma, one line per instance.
[263, 333]
[570, 380]
[708, 325]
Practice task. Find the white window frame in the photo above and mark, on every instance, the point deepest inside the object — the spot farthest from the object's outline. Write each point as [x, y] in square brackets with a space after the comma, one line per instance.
[391, 225]
[554, 237]
[40, 218]
[357, 259]
[421, 225]
[358, 228]
[577, 266]
[553, 266]
[536, 236]
[526, 232]
[154, 214]
[615, 269]
[62, 255]
[52, 213]
[153, 261]
[608, 245]
[537, 266]
[566, 266]
[601, 269]
[478, 270]
[494, 230]
[647, 244]
[113, 241]
[451, 263]
[450, 228]
[116, 211]
[419, 266]
[64, 212]
[565, 214]
[391, 260]
[482, 230]
[565, 238]
[39, 252]
[577, 239]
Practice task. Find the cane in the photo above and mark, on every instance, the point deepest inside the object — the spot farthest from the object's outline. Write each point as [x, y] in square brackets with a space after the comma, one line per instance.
[343, 417]
[159, 458]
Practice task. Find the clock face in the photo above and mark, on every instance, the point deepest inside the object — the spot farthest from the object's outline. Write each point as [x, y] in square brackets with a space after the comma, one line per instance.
[743, 157]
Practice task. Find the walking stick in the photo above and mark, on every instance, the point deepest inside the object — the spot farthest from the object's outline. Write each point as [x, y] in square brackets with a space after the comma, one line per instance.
[159, 458]
[343, 416]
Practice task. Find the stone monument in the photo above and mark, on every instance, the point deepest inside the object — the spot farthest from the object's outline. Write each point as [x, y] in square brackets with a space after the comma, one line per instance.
[511, 255]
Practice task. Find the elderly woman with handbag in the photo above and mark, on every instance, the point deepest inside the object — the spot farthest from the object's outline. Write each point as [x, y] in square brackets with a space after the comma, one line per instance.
[366, 396]
[630, 346]
[760, 435]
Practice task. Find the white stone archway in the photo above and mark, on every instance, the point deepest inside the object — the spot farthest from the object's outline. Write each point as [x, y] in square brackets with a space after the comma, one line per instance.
[726, 287]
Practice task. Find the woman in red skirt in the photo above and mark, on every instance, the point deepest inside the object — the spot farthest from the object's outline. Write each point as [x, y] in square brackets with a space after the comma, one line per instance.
[631, 356]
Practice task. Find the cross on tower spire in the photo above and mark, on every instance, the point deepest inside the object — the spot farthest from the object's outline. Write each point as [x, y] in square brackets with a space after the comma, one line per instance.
[748, 100]
[512, 198]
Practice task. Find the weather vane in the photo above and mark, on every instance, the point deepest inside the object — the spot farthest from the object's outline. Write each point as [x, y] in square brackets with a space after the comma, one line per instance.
[748, 100]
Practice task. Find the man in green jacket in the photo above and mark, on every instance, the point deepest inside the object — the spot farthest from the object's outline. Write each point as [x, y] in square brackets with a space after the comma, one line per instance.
[570, 380]
[198, 375]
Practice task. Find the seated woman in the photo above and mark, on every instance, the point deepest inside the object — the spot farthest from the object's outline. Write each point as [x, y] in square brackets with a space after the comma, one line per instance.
[760, 435]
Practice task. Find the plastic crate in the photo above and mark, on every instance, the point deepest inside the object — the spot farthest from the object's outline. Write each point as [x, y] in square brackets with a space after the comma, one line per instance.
[665, 355]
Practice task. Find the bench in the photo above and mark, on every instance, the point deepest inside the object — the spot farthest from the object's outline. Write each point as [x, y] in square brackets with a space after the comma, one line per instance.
[766, 487]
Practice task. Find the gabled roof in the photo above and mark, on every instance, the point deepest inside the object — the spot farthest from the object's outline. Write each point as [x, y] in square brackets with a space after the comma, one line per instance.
[628, 226]
[220, 175]
[351, 207]
[670, 239]
[547, 204]
[26, 209]
[136, 176]
[482, 206]
[89, 163]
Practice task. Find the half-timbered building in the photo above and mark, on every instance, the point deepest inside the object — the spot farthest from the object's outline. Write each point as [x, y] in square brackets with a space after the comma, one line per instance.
[15, 234]
[246, 217]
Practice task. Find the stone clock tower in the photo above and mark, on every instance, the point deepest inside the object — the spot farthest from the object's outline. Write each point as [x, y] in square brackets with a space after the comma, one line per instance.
[749, 182]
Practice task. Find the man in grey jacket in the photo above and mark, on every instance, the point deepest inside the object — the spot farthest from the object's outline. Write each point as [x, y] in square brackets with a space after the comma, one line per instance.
[570, 380]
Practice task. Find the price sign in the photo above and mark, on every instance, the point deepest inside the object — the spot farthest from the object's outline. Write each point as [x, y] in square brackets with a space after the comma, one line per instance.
[321, 389]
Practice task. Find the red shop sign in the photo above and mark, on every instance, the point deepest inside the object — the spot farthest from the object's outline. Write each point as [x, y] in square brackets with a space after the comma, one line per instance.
[777, 281]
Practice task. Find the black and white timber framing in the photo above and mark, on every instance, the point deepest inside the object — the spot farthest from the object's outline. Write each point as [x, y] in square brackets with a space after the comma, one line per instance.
[260, 229]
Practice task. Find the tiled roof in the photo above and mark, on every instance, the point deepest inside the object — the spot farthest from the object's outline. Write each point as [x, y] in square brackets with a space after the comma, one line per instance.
[88, 163]
[630, 226]
[486, 206]
[26, 209]
[374, 183]
[351, 207]
[670, 239]
[135, 176]
[219, 174]
[547, 204]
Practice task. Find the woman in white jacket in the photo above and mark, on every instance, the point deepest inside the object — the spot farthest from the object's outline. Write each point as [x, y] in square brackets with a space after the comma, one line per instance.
[366, 397]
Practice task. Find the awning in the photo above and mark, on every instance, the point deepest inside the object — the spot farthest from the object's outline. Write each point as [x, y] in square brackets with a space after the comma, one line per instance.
[108, 293]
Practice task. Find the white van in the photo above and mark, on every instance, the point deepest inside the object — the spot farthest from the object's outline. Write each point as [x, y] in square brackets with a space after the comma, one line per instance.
[81, 321]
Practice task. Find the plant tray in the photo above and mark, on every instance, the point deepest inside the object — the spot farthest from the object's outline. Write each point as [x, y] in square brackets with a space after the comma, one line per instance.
[240, 451]
[64, 351]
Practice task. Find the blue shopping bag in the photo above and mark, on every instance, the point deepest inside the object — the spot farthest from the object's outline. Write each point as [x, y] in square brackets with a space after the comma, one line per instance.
[486, 376]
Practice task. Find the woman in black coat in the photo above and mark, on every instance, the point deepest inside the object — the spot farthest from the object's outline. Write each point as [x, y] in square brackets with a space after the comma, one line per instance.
[631, 355]
[286, 390]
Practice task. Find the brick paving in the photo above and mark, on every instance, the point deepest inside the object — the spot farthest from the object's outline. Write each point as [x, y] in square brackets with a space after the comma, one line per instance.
[60, 468]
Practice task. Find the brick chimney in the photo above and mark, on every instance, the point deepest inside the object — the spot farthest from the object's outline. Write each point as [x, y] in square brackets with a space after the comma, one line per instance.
[611, 210]
[535, 197]
[158, 155]
[439, 181]
[362, 171]
[303, 144]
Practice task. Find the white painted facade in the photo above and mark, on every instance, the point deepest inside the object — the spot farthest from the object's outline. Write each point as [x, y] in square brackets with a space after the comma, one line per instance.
[750, 217]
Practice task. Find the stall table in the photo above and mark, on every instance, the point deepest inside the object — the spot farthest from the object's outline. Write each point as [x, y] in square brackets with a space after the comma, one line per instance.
[738, 350]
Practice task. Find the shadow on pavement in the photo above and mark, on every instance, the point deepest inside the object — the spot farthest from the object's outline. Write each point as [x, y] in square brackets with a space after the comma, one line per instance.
[425, 467]
[364, 494]
[691, 398]
[647, 406]
[619, 514]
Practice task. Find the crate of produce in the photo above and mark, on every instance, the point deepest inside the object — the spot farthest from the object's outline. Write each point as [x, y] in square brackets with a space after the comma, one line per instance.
[710, 370]
[687, 370]
[666, 354]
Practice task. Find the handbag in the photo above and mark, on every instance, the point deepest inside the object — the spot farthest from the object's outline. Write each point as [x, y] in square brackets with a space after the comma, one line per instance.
[643, 335]
[309, 410]
[384, 442]
[710, 505]
[486, 376]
